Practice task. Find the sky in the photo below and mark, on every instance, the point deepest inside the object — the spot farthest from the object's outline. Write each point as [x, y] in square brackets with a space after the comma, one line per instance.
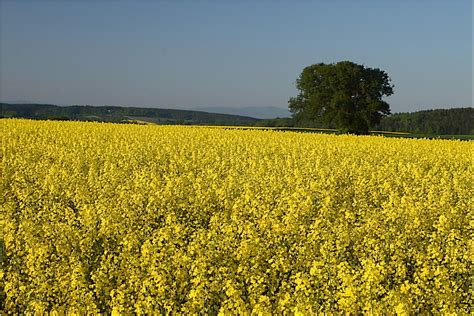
[185, 54]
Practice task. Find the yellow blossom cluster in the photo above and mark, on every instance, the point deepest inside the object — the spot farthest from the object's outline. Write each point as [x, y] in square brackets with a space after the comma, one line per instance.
[124, 219]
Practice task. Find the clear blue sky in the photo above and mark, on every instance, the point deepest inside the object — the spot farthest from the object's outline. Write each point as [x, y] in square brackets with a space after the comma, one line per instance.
[228, 53]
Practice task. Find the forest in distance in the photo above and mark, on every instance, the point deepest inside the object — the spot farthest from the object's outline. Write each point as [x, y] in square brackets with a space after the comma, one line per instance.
[454, 121]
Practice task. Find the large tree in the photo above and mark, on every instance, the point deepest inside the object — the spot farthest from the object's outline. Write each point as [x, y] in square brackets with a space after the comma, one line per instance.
[343, 94]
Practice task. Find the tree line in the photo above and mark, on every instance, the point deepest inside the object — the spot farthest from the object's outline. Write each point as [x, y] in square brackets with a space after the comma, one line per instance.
[455, 121]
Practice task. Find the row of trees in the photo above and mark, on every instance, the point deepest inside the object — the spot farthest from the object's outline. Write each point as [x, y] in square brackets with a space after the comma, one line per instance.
[456, 121]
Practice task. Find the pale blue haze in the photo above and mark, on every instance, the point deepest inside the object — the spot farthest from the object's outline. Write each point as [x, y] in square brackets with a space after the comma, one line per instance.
[195, 54]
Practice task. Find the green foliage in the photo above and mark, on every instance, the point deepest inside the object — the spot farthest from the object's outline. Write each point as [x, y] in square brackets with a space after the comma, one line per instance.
[345, 94]
[457, 121]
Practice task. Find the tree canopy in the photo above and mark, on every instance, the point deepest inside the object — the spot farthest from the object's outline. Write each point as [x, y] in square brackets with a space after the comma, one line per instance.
[345, 94]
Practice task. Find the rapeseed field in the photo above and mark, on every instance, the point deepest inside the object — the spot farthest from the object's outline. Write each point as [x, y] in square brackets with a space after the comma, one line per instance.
[124, 219]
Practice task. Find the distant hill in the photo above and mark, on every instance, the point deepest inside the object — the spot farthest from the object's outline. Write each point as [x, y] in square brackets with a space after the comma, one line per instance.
[261, 112]
[121, 114]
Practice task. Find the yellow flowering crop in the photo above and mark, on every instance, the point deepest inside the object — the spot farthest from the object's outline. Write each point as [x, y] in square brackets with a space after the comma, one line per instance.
[123, 219]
